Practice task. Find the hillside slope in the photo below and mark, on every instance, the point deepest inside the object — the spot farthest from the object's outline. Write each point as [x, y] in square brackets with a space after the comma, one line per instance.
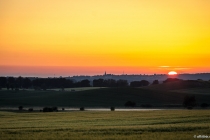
[104, 97]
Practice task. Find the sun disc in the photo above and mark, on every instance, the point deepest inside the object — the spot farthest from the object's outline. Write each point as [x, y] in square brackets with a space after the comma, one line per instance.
[172, 73]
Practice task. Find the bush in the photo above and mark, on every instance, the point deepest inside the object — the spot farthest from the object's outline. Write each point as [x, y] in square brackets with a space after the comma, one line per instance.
[204, 105]
[50, 109]
[82, 109]
[130, 104]
[112, 108]
[20, 107]
[30, 109]
[139, 83]
[189, 101]
[47, 109]
[55, 108]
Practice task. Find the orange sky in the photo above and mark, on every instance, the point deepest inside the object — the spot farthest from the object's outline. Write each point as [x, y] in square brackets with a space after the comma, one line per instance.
[134, 36]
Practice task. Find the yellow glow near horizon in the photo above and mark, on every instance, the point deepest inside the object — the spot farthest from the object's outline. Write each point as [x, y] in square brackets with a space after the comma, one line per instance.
[135, 33]
[172, 73]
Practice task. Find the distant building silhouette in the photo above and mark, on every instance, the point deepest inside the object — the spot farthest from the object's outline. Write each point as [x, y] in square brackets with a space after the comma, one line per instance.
[105, 74]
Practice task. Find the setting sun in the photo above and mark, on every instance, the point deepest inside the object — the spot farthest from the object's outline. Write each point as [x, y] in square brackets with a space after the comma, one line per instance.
[172, 73]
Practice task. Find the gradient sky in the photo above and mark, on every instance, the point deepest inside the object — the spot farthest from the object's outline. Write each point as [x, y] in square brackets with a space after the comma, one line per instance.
[70, 37]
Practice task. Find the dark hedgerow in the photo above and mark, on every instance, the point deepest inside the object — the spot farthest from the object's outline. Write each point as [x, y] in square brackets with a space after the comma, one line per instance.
[55, 108]
[47, 109]
[189, 102]
[130, 104]
[20, 107]
[82, 109]
[30, 109]
[112, 108]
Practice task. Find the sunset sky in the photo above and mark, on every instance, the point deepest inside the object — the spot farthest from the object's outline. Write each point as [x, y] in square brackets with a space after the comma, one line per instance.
[88, 37]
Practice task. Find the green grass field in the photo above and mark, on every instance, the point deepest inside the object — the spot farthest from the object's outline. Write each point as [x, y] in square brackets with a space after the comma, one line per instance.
[90, 125]
[94, 125]
[195, 91]
[99, 97]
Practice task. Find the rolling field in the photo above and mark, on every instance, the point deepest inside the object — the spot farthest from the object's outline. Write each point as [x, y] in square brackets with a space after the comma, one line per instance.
[88, 125]
[195, 91]
[100, 97]
[104, 97]
[94, 125]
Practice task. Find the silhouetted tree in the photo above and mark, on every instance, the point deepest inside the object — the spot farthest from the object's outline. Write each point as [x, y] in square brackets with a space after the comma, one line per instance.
[69, 83]
[98, 83]
[53, 83]
[47, 109]
[144, 82]
[55, 108]
[30, 109]
[19, 82]
[60, 82]
[44, 86]
[189, 101]
[112, 108]
[122, 83]
[27, 83]
[155, 82]
[135, 84]
[20, 107]
[110, 83]
[37, 83]
[82, 109]
[3, 81]
[12, 86]
[139, 83]
[85, 83]
[11, 80]
[8, 86]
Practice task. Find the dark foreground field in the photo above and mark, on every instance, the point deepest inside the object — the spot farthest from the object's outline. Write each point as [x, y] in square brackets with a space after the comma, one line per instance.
[101, 97]
[89, 125]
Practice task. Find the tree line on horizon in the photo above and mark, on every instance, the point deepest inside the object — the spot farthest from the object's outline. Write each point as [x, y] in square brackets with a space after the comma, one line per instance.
[49, 83]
